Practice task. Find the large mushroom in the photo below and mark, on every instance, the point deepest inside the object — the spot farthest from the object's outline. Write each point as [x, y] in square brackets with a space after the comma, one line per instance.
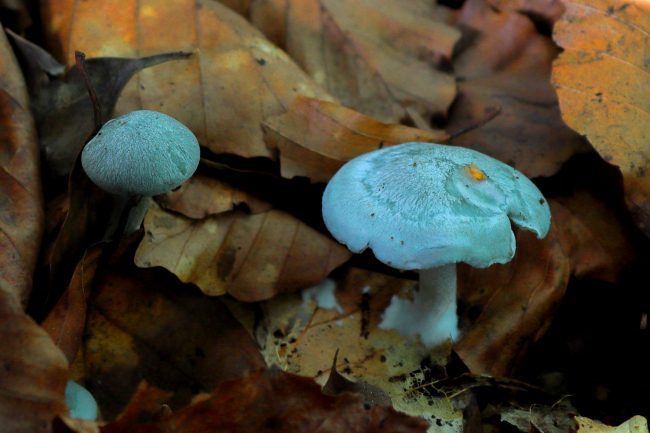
[426, 207]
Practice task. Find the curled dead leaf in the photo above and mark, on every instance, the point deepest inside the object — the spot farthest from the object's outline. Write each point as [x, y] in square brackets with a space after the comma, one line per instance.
[315, 138]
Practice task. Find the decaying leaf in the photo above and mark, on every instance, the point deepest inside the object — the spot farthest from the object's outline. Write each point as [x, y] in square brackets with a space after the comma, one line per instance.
[33, 375]
[602, 80]
[300, 333]
[554, 419]
[514, 303]
[314, 138]
[636, 424]
[251, 257]
[547, 10]
[377, 57]
[67, 320]
[21, 201]
[234, 81]
[144, 324]
[507, 65]
[275, 401]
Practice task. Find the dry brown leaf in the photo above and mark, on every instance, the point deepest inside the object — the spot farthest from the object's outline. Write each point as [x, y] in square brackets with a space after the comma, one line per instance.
[636, 424]
[314, 137]
[275, 401]
[377, 57]
[251, 257]
[300, 333]
[33, 375]
[21, 201]
[144, 324]
[67, 320]
[204, 196]
[507, 64]
[602, 80]
[236, 78]
[515, 302]
[548, 10]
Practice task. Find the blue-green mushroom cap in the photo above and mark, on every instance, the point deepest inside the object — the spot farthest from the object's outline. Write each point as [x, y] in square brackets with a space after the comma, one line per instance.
[423, 205]
[81, 404]
[141, 153]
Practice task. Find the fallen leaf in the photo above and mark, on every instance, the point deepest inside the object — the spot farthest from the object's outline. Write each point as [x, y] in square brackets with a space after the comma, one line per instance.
[67, 320]
[301, 332]
[275, 401]
[510, 306]
[64, 112]
[315, 138]
[547, 419]
[21, 200]
[234, 81]
[204, 196]
[547, 11]
[602, 80]
[378, 57]
[507, 64]
[34, 371]
[636, 424]
[251, 257]
[133, 334]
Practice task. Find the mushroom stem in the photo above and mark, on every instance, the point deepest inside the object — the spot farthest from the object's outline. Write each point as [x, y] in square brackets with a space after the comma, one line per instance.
[132, 208]
[431, 313]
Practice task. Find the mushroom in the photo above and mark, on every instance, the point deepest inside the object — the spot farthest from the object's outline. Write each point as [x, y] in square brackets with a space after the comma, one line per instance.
[426, 207]
[81, 403]
[140, 154]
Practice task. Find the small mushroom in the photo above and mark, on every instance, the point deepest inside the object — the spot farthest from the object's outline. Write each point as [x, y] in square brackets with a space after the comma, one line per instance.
[140, 154]
[426, 207]
[81, 404]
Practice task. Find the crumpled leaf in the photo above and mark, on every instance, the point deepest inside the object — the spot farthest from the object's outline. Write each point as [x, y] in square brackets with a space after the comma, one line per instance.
[315, 138]
[64, 112]
[251, 257]
[636, 424]
[275, 401]
[602, 80]
[300, 333]
[507, 64]
[236, 78]
[377, 57]
[33, 375]
[514, 303]
[144, 324]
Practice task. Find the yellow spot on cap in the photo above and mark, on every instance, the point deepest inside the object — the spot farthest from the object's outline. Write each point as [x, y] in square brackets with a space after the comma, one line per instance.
[476, 173]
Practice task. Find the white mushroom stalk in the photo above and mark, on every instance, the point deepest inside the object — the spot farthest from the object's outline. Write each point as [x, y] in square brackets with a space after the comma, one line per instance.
[138, 155]
[426, 207]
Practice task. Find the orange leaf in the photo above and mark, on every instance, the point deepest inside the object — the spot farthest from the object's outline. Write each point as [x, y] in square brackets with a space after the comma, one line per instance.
[376, 56]
[251, 257]
[603, 80]
[316, 137]
[235, 79]
[33, 376]
[508, 66]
